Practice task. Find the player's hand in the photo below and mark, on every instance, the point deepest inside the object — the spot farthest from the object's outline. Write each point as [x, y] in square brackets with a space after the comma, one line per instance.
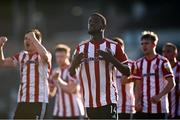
[55, 76]
[107, 55]
[51, 85]
[72, 85]
[3, 40]
[138, 106]
[155, 99]
[78, 58]
[75, 63]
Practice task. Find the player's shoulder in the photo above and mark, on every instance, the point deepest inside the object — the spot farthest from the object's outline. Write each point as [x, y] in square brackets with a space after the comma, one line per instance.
[162, 58]
[83, 42]
[130, 61]
[110, 41]
[22, 52]
[139, 60]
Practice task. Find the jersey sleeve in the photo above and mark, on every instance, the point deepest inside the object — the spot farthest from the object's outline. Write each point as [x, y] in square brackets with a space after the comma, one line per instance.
[120, 54]
[136, 72]
[166, 69]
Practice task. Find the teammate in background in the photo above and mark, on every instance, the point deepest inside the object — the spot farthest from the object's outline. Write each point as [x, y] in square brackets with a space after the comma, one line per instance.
[125, 86]
[154, 80]
[35, 64]
[68, 102]
[170, 52]
[96, 59]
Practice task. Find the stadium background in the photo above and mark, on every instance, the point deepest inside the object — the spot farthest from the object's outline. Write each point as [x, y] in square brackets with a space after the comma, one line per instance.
[65, 21]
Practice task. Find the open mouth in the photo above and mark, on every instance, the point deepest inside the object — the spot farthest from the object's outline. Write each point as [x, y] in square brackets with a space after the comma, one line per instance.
[27, 45]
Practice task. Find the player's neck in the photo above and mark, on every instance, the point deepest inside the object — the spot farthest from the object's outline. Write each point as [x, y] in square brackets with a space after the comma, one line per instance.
[64, 65]
[151, 55]
[32, 52]
[98, 36]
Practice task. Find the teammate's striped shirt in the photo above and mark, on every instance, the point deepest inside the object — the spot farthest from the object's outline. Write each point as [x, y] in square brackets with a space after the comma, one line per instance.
[153, 74]
[34, 76]
[66, 104]
[173, 96]
[126, 98]
[96, 74]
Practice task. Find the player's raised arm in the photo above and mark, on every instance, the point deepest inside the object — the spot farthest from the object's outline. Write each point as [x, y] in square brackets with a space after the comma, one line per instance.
[4, 62]
[45, 55]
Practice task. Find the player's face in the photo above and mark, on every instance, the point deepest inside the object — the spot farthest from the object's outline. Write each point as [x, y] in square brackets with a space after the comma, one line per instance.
[61, 57]
[28, 43]
[169, 53]
[95, 24]
[147, 46]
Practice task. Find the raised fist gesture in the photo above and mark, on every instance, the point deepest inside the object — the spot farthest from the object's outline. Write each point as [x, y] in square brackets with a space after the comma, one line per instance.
[3, 39]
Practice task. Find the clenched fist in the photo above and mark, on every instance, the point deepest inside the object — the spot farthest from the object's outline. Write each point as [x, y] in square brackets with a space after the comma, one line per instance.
[155, 99]
[3, 39]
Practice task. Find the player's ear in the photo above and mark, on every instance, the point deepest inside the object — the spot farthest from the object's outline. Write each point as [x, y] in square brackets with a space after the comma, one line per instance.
[103, 27]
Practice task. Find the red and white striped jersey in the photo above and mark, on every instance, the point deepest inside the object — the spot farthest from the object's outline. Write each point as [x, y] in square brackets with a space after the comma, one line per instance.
[153, 74]
[66, 104]
[34, 76]
[97, 76]
[173, 96]
[126, 98]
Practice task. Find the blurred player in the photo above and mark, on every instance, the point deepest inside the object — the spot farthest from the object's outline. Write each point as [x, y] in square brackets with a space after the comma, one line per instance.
[170, 52]
[97, 58]
[35, 64]
[154, 80]
[68, 102]
[125, 86]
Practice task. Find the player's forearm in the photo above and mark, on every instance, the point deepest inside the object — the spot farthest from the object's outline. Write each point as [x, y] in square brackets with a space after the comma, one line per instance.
[41, 49]
[124, 69]
[126, 80]
[138, 91]
[168, 88]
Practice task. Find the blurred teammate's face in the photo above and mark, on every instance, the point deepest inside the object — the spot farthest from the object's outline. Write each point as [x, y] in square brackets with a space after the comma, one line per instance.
[169, 53]
[61, 57]
[147, 46]
[95, 24]
[28, 45]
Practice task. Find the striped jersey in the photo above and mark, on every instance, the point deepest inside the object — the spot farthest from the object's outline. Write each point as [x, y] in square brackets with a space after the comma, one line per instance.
[173, 96]
[67, 104]
[97, 75]
[126, 98]
[34, 76]
[153, 74]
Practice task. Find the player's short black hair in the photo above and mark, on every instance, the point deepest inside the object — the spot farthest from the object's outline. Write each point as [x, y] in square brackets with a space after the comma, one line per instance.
[101, 16]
